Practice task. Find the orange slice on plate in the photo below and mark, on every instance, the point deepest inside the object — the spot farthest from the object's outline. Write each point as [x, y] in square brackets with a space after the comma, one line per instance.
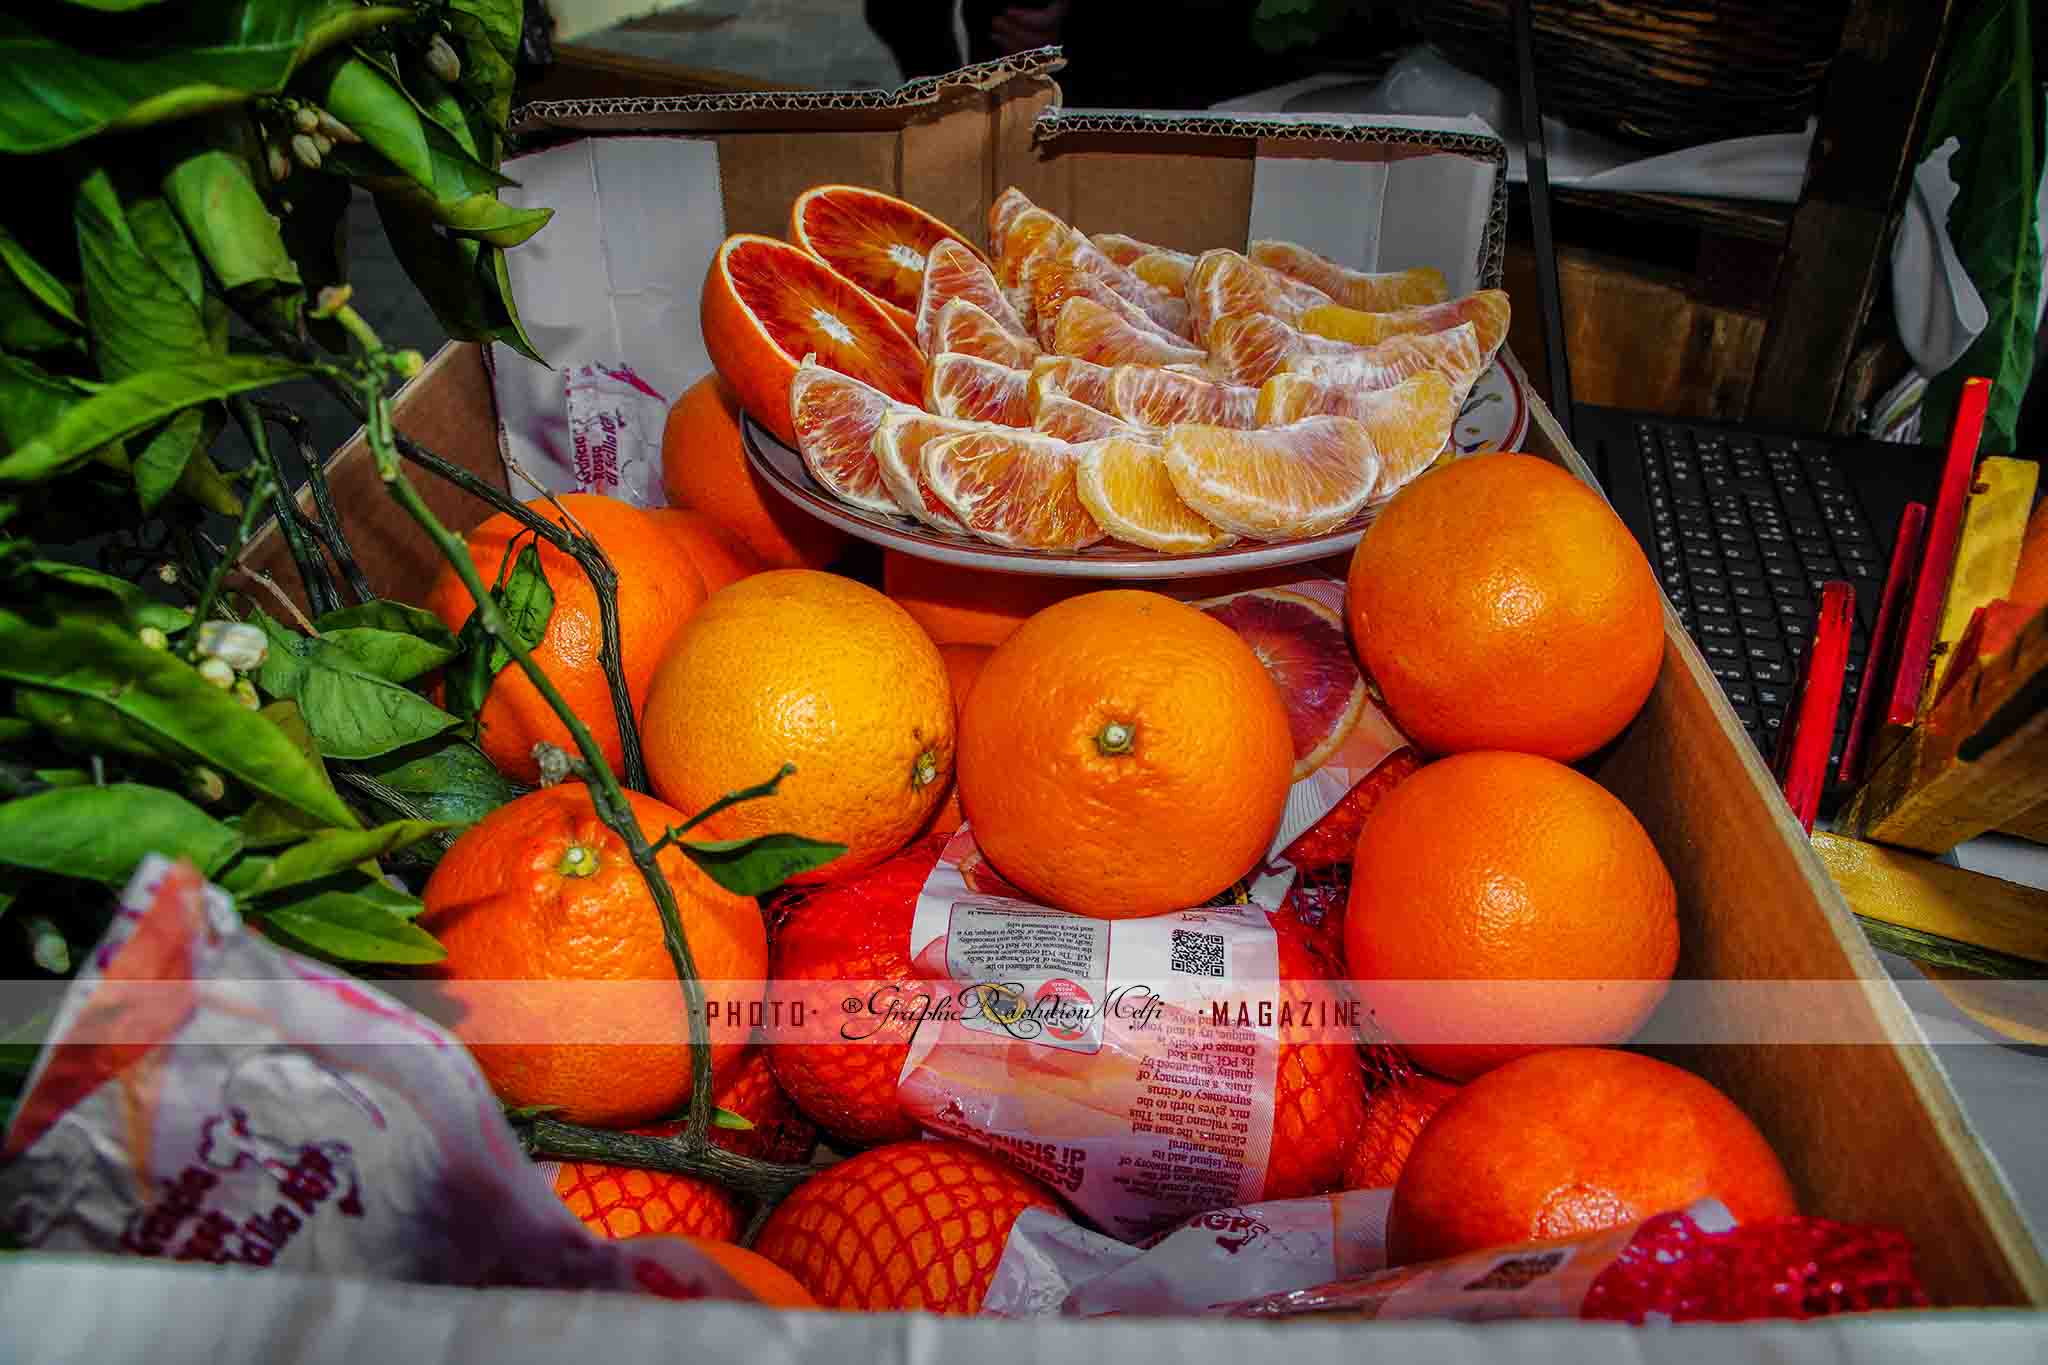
[1055, 414]
[1280, 483]
[1088, 331]
[1410, 422]
[1002, 212]
[1080, 380]
[1119, 248]
[954, 272]
[1168, 270]
[1249, 348]
[1031, 230]
[1013, 488]
[1486, 310]
[1053, 278]
[979, 390]
[1225, 284]
[1124, 485]
[1153, 397]
[876, 240]
[965, 328]
[1455, 353]
[835, 419]
[767, 304]
[1354, 288]
[898, 448]
[1307, 654]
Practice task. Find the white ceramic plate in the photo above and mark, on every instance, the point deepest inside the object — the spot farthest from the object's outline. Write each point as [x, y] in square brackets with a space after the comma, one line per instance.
[1495, 417]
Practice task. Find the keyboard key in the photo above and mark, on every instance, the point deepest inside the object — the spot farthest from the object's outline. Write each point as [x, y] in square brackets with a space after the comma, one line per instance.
[1760, 629]
[1738, 550]
[1721, 649]
[1789, 590]
[1712, 609]
[1740, 694]
[1749, 716]
[1737, 569]
[1719, 626]
[1765, 651]
[1741, 588]
[1782, 570]
[1727, 672]
[1770, 673]
[1756, 609]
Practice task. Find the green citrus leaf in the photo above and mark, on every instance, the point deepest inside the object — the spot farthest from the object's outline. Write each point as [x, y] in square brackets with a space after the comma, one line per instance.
[101, 833]
[754, 867]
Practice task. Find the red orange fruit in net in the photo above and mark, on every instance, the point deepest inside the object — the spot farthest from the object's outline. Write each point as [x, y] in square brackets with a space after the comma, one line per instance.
[1088, 331]
[876, 240]
[899, 453]
[835, 419]
[1304, 647]
[1302, 479]
[914, 1225]
[1226, 284]
[954, 272]
[1395, 1115]
[1151, 396]
[1333, 840]
[1353, 288]
[1014, 488]
[767, 305]
[965, 328]
[1055, 414]
[979, 390]
[1410, 423]
[1080, 380]
[1486, 310]
[1123, 483]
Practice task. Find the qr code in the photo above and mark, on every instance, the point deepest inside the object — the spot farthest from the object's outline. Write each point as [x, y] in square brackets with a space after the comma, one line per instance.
[1197, 954]
[1518, 1272]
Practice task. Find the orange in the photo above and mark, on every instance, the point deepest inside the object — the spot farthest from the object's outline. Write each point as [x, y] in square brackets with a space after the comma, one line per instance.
[1075, 269]
[1395, 1115]
[1353, 288]
[898, 448]
[955, 273]
[914, 1225]
[1055, 414]
[1164, 270]
[1500, 604]
[1124, 484]
[1029, 232]
[810, 669]
[969, 606]
[1249, 348]
[1302, 479]
[659, 587]
[876, 240]
[704, 468]
[1088, 331]
[719, 557]
[850, 940]
[964, 326]
[540, 891]
[1486, 310]
[1077, 379]
[766, 305]
[1119, 248]
[963, 666]
[1013, 488]
[1569, 1142]
[1486, 869]
[1003, 211]
[1154, 397]
[1122, 754]
[1410, 423]
[626, 1201]
[1455, 352]
[768, 1282]
[977, 390]
[835, 420]
[1225, 283]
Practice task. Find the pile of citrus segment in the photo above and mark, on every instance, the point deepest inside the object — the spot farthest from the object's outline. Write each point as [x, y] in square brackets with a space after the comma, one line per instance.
[1066, 390]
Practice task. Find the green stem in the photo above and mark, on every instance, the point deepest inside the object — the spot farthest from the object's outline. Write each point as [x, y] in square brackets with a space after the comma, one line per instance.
[765, 1180]
[320, 593]
[323, 499]
[259, 492]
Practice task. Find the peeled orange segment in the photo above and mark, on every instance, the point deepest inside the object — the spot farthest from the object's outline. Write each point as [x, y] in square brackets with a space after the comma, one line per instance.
[965, 328]
[876, 240]
[1067, 266]
[1003, 212]
[1055, 414]
[1153, 397]
[1014, 488]
[1302, 479]
[1354, 288]
[1455, 353]
[1410, 422]
[1077, 379]
[1124, 485]
[954, 272]
[1119, 248]
[1088, 331]
[978, 390]
[767, 304]
[1226, 284]
[1486, 310]
[1307, 654]
[1030, 230]
[1248, 348]
[835, 420]
[898, 449]
[1168, 270]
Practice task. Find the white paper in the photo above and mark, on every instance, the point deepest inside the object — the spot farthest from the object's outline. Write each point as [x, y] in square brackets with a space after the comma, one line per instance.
[1939, 311]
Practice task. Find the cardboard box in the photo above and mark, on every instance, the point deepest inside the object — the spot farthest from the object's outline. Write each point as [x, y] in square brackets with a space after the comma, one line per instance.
[1863, 1118]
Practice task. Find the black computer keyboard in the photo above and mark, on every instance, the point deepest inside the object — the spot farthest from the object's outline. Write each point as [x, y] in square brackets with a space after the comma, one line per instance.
[1745, 530]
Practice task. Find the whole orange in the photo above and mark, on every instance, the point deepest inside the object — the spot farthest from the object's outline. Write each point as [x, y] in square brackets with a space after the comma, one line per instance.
[658, 589]
[769, 1283]
[1124, 754]
[555, 954]
[1485, 870]
[850, 941]
[1501, 604]
[963, 666]
[704, 468]
[914, 1225]
[811, 669]
[1572, 1141]
[1395, 1115]
[719, 556]
[626, 1201]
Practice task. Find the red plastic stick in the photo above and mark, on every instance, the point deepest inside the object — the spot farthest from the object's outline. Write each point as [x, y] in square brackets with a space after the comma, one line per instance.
[1880, 665]
[1916, 644]
[1809, 728]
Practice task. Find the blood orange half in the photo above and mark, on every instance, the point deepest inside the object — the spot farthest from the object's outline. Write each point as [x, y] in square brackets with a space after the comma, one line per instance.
[1303, 646]
[876, 240]
[768, 304]
[835, 419]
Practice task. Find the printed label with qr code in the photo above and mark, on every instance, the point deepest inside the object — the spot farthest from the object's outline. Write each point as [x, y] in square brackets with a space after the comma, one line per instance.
[1198, 954]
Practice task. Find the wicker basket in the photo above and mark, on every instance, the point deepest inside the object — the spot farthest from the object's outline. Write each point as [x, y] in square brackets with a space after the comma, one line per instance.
[1662, 75]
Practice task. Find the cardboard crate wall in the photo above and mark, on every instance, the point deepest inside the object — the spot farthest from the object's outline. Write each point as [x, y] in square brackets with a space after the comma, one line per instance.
[1869, 1130]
